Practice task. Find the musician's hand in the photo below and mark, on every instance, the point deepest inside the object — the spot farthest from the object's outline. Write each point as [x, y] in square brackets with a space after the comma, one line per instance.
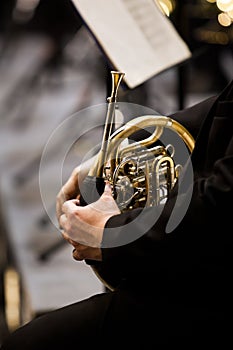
[82, 252]
[69, 190]
[85, 225]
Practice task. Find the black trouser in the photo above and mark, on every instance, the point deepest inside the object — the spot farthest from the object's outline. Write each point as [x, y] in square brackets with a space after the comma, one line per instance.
[114, 320]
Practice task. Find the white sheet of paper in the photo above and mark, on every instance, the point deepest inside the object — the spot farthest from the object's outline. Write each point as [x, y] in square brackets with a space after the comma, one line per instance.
[135, 36]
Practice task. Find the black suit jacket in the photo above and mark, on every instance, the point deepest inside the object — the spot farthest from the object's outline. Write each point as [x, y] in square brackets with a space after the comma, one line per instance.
[192, 259]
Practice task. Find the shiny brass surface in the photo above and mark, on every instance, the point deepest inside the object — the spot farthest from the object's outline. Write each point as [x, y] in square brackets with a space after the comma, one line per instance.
[141, 173]
[116, 80]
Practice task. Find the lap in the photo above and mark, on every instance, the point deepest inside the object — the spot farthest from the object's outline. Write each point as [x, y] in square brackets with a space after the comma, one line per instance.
[105, 319]
[76, 324]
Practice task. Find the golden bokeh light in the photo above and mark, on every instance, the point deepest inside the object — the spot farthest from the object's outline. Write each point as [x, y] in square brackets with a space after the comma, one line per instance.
[224, 19]
[225, 5]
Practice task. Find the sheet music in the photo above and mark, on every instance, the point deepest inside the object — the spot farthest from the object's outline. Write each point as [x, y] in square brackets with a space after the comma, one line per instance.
[135, 36]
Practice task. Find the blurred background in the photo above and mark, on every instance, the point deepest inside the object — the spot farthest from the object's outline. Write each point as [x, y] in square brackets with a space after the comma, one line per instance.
[51, 68]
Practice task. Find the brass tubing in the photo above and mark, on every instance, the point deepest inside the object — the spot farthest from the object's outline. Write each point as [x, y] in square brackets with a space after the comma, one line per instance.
[141, 123]
[116, 79]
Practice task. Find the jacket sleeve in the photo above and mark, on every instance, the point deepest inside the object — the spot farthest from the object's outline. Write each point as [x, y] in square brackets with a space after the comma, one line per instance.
[145, 229]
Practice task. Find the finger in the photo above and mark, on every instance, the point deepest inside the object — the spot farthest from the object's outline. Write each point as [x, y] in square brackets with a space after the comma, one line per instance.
[67, 238]
[62, 221]
[76, 201]
[71, 241]
[106, 202]
[77, 255]
[107, 189]
[70, 206]
[61, 198]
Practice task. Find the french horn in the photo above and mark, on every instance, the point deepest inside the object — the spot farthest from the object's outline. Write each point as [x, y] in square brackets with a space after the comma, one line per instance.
[141, 173]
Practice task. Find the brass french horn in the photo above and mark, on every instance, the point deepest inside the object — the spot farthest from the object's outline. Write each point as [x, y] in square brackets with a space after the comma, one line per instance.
[141, 173]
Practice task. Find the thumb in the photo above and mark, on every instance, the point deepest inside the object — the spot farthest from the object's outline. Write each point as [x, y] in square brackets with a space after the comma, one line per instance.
[107, 190]
[106, 202]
